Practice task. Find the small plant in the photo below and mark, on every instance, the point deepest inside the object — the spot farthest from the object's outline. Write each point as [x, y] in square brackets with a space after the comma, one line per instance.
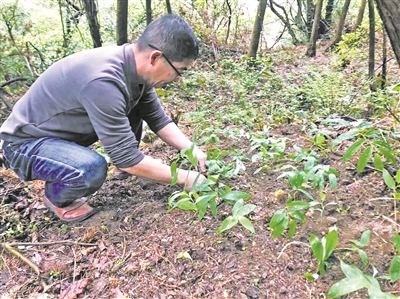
[205, 195]
[239, 211]
[269, 149]
[370, 143]
[322, 249]
[285, 218]
[365, 238]
[394, 269]
[356, 280]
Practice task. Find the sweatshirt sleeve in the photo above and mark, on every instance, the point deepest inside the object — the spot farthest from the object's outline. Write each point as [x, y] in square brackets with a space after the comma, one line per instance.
[105, 104]
[151, 110]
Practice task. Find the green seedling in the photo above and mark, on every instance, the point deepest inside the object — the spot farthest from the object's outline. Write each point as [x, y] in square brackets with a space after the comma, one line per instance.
[322, 249]
[356, 280]
[369, 143]
[239, 211]
[184, 255]
[269, 149]
[394, 269]
[358, 245]
[205, 195]
[285, 219]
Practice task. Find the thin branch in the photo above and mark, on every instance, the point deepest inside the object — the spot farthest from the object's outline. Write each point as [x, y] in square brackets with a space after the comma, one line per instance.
[51, 243]
[23, 258]
[291, 243]
[13, 80]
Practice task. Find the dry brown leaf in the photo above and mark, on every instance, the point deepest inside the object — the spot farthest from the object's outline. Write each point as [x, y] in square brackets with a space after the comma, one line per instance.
[75, 289]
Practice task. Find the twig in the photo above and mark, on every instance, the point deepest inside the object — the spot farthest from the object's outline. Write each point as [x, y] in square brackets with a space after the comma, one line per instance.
[51, 243]
[23, 258]
[291, 243]
[390, 220]
[73, 273]
[381, 198]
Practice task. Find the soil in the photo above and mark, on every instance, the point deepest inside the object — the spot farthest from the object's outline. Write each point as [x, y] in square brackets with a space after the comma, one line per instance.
[133, 248]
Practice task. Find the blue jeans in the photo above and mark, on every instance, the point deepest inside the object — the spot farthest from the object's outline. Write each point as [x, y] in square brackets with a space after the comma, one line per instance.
[70, 171]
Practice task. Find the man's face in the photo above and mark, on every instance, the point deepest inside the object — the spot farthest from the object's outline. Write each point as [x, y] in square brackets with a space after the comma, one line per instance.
[168, 71]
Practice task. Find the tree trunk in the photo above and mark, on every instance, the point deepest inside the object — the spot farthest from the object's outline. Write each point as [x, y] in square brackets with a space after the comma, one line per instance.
[310, 16]
[168, 4]
[360, 15]
[389, 11]
[229, 21]
[149, 16]
[258, 24]
[328, 13]
[91, 15]
[371, 59]
[311, 49]
[342, 20]
[122, 22]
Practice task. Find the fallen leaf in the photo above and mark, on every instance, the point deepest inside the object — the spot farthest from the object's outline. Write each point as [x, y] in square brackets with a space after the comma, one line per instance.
[74, 289]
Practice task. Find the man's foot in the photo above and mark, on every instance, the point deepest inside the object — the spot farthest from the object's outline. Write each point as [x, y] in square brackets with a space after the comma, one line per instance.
[79, 210]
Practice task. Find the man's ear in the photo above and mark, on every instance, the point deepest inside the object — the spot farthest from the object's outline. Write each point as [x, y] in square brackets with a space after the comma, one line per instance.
[154, 56]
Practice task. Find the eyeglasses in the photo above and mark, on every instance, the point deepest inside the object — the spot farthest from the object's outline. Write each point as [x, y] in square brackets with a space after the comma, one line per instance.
[166, 58]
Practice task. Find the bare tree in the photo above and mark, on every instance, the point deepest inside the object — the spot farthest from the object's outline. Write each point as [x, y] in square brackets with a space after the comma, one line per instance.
[371, 59]
[389, 12]
[168, 4]
[91, 15]
[258, 25]
[122, 22]
[311, 49]
[228, 29]
[284, 18]
[360, 14]
[149, 12]
[340, 27]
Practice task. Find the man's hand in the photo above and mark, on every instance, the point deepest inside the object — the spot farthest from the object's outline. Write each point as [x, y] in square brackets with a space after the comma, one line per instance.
[201, 158]
[190, 179]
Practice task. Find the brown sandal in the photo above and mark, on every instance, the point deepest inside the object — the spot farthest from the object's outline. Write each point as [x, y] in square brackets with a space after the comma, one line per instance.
[79, 210]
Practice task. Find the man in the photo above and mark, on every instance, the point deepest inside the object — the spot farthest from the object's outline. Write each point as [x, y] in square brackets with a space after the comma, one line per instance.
[100, 94]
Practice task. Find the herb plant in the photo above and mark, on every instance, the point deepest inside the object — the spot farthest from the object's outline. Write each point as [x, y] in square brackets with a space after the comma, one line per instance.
[323, 248]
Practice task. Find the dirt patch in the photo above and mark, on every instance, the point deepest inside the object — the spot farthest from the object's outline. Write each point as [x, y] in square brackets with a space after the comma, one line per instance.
[140, 251]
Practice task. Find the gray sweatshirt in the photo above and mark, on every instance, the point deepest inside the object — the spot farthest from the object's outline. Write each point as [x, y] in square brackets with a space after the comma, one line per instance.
[86, 97]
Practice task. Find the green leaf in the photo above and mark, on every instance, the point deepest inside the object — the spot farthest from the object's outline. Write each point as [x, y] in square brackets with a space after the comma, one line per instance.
[292, 228]
[346, 136]
[388, 153]
[299, 216]
[280, 228]
[317, 248]
[332, 181]
[394, 269]
[228, 223]
[353, 149]
[174, 173]
[277, 218]
[398, 176]
[378, 163]
[247, 224]
[238, 205]
[298, 205]
[186, 205]
[365, 238]
[213, 206]
[389, 181]
[332, 239]
[364, 257]
[364, 158]
[346, 286]
[243, 211]
[396, 242]
[233, 196]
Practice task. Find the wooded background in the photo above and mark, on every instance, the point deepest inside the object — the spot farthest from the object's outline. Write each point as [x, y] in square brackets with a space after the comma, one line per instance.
[35, 34]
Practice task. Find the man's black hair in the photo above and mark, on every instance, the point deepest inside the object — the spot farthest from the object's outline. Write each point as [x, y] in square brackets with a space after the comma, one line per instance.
[173, 36]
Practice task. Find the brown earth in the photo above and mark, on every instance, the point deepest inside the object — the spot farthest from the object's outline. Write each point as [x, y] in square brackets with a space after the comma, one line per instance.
[131, 246]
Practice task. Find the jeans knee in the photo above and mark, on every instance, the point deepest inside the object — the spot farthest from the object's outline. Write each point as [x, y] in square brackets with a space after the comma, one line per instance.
[96, 174]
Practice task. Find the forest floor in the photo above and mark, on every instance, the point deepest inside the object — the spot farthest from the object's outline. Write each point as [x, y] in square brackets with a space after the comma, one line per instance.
[133, 248]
